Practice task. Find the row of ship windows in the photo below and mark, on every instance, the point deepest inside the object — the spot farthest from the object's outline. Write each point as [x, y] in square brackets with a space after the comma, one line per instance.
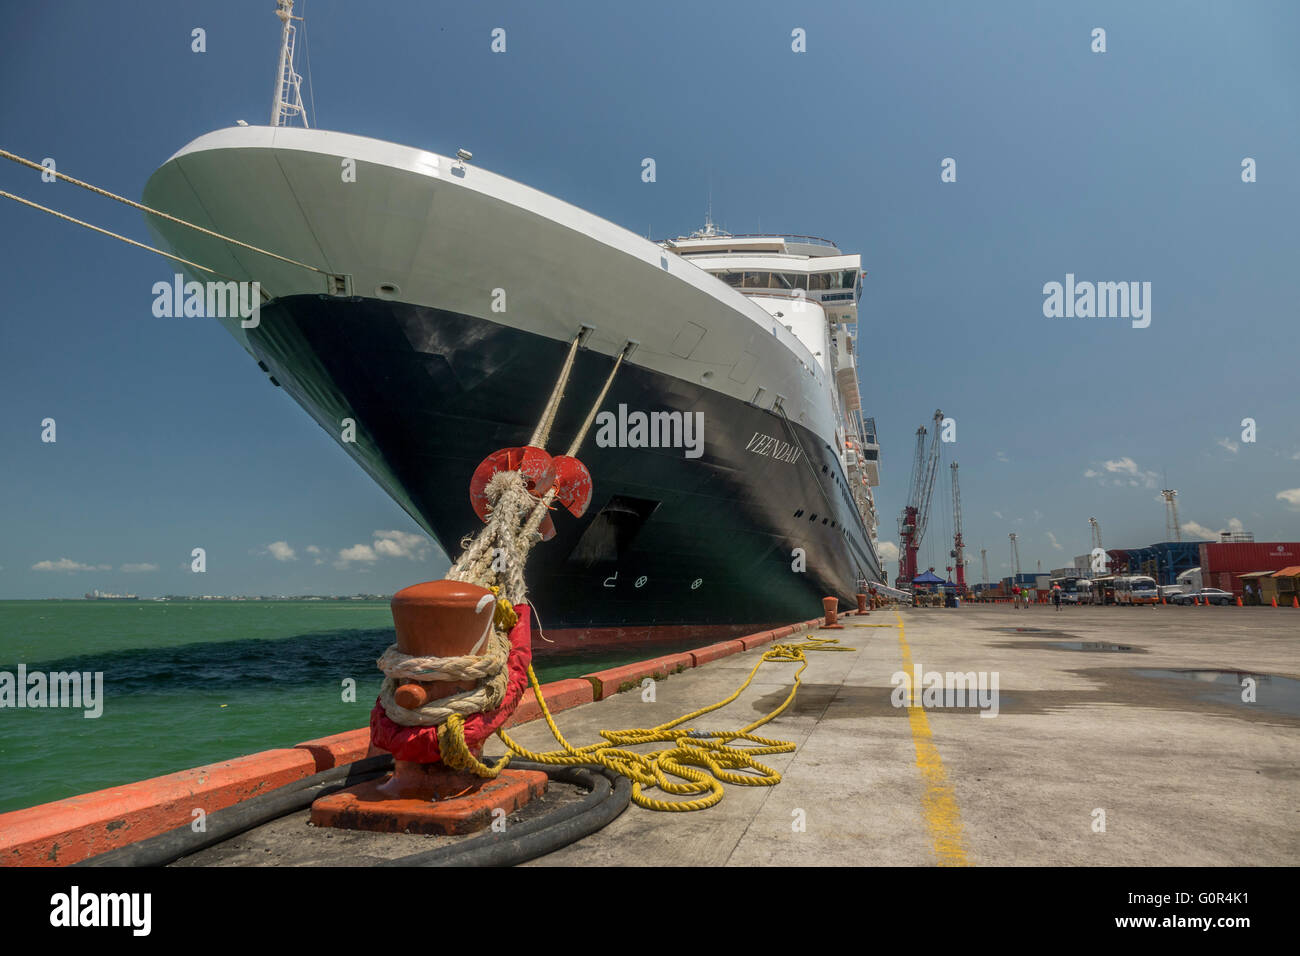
[814, 282]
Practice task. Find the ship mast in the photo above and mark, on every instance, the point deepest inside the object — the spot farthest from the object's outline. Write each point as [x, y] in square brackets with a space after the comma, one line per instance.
[288, 84]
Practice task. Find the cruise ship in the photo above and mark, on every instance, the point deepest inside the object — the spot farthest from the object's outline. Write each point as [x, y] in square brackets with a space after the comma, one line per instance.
[419, 307]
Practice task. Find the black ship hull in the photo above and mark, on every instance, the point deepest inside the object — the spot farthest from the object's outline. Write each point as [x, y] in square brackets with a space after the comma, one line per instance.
[671, 547]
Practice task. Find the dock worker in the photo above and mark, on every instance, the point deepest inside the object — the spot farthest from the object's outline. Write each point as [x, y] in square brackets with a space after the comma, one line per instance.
[1015, 597]
[1056, 596]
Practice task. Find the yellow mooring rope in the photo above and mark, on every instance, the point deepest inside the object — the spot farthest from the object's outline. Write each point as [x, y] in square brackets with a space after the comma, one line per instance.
[710, 750]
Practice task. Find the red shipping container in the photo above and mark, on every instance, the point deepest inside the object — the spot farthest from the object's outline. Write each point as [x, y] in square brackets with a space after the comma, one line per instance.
[1252, 556]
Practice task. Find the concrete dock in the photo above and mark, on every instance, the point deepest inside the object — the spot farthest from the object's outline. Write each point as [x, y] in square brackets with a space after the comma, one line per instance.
[1184, 771]
[1121, 737]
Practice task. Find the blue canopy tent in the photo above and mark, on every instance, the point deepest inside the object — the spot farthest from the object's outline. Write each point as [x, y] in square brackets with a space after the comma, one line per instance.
[929, 579]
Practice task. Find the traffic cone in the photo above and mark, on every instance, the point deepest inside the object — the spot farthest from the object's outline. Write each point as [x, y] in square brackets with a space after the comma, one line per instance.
[1275, 600]
[1295, 601]
[1196, 601]
[1239, 604]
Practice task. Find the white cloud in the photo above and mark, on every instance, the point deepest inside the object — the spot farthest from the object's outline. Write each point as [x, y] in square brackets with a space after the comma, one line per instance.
[386, 544]
[1229, 444]
[1002, 456]
[1291, 496]
[281, 551]
[358, 552]
[1194, 530]
[887, 550]
[401, 544]
[312, 549]
[67, 564]
[1234, 524]
[1055, 544]
[136, 568]
[997, 514]
[1127, 472]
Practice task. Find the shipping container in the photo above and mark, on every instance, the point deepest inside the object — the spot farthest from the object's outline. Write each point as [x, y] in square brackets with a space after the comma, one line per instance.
[1243, 557]
[1222, 564]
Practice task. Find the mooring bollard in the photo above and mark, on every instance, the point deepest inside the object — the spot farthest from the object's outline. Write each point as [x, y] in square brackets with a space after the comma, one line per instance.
[831, 605]
[862, 605]
[449, 622]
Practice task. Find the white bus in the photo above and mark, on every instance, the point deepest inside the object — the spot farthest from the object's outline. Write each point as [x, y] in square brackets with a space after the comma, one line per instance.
[1136, 589]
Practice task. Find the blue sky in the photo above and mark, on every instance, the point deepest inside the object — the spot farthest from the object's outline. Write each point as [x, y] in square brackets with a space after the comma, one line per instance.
[1115, 166]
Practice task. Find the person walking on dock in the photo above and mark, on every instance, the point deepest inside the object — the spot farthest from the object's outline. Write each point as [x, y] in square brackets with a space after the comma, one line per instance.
[1015, 597]
[1056, 596]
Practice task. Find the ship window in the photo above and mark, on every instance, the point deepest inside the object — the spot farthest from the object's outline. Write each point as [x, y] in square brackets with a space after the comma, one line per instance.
[799, 513]
[755, 280]
[731, 278]
[824, 520]
[849, 279]
[795, 280]
[819, 281]
[812, 517]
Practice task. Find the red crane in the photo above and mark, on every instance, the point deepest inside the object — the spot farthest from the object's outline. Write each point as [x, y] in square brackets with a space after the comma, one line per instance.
[958, 546]
[911, 524]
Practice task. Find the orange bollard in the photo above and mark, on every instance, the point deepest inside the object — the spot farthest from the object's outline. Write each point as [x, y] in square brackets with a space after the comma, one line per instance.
[435, 619]
[831, 605]
[862, 605]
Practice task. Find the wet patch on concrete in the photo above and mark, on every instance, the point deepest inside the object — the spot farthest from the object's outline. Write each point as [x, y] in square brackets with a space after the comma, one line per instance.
[1094, 647]
[841, 702]
[1125, 686]
[1243, 689]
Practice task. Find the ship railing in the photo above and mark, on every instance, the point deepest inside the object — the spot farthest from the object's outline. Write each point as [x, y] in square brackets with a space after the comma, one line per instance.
[808, 240]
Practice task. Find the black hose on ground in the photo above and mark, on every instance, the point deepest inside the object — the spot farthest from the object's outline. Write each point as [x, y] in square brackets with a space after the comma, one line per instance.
[609, 795]
[225, 824]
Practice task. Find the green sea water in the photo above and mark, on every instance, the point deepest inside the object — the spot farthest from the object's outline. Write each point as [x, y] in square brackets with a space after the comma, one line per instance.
[187, 683]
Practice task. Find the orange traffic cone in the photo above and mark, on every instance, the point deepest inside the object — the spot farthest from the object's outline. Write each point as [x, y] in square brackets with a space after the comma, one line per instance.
[1196, 601]
[1295, 601]
[1239, 604]
[1275, 601]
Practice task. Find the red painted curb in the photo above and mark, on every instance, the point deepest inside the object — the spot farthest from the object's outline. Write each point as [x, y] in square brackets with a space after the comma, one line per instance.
[70, 830]
[713, 652]
[559, 695]
[338, 749]
[606, 683]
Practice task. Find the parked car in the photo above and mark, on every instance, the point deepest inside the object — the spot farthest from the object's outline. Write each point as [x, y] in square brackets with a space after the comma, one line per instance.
[1212, 595]
[1170, 592]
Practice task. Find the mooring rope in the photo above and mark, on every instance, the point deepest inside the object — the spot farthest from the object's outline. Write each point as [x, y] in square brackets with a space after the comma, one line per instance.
[709, 750]
[143, 208]
[114, 235]
[493, 558]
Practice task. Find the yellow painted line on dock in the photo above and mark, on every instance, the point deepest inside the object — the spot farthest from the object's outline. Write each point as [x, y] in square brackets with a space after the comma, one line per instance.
[938, 802]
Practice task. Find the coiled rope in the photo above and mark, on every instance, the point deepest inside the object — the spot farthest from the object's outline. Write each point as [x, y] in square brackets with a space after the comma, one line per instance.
[674, 770]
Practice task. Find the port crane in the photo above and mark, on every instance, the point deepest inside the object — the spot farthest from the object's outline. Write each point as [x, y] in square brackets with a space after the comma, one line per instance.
[912, 522]
[1172, 528]
[1015, 559]
[958, 546]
